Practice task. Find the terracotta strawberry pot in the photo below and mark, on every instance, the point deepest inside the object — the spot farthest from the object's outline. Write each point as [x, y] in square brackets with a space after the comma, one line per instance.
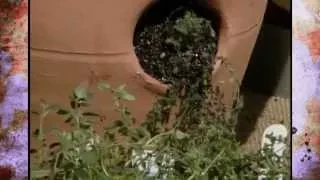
[74, 41]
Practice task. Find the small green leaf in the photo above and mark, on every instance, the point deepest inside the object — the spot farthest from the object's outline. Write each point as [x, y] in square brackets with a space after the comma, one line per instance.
[103, 86]
[128, 97]
[81, 93]
[181, 29]
[181, 135]
[65, 140]
[89, 157]
[52, 108]
[122, 87]
[123, 94]
[81, 174]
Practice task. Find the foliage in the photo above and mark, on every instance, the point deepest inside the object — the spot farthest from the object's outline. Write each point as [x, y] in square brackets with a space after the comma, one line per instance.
[183, 47]
[189, 133]
[208, 150]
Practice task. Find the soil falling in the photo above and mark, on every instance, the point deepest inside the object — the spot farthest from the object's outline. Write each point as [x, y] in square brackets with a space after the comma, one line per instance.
[177, 48]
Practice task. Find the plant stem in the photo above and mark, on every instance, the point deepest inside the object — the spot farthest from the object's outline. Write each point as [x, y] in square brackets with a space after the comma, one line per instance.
[191, 177]
[41, 136]
[158, 136]
[212, 162]
[55, 165]
[104, 169]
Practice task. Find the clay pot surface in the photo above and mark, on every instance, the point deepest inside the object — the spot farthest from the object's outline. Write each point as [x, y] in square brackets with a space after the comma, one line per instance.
[74, 41]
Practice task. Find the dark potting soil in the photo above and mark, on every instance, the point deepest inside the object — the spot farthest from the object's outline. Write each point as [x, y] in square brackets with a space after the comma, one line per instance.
[179, 50]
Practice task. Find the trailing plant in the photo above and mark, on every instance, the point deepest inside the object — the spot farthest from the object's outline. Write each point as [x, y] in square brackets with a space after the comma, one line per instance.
[182, 53]
[188, 134]
[208, 150]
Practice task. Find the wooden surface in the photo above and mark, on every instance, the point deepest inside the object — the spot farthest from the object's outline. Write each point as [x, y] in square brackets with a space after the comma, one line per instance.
[260, 112]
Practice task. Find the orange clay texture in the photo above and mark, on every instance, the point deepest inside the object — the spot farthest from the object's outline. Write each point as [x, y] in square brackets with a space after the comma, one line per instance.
[312, 40]
[313, 43]
[14, 34]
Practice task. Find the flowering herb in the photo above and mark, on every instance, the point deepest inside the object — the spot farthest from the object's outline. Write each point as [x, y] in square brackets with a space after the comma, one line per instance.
[189, 149]
[197, 142]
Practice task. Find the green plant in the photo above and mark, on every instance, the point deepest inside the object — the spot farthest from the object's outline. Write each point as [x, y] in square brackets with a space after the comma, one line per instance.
[182, 48]
[207, 150]
[189, 133]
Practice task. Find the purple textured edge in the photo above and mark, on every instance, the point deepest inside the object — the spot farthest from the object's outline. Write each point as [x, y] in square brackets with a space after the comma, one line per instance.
[15, 98]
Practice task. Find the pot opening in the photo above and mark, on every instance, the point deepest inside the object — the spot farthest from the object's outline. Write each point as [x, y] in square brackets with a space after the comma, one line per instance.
[157, 12]
[175, 41]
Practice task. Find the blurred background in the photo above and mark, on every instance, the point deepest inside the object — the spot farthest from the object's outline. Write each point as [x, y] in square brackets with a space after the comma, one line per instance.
[266, 86]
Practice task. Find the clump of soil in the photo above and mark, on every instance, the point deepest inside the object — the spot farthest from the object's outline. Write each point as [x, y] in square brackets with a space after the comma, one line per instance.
[178, 50]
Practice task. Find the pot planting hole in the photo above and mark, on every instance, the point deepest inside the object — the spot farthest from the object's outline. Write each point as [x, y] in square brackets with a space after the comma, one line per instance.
[175, 42]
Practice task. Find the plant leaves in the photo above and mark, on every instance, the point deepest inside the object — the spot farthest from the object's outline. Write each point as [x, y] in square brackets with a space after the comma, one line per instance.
[181, 135]
[103, 86]
[82, 174]
[81, 93]
[123, 94]
[89, 157]
[128, 97]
